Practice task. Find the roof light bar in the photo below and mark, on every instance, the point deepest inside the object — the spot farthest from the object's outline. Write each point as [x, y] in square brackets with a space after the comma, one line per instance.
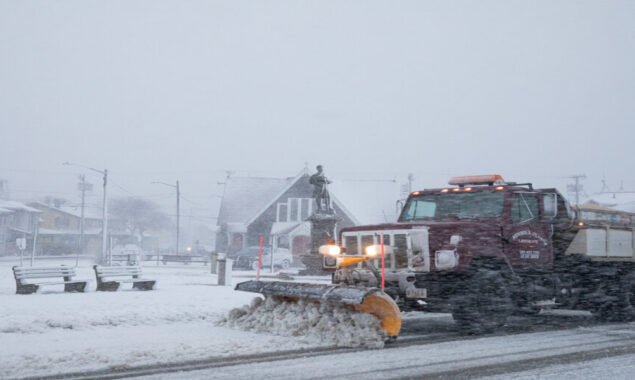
[490, 179]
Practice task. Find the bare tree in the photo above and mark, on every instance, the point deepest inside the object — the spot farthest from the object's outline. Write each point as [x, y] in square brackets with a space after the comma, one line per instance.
[138, 215]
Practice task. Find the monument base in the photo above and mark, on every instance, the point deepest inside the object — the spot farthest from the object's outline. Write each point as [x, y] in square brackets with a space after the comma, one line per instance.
[322, 230]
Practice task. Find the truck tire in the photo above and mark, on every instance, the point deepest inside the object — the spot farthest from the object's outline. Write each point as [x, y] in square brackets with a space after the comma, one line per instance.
[285, 264]
[615, 300]
[483, 302]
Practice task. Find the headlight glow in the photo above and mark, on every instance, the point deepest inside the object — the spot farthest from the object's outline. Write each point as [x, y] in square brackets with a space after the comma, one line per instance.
[330, 250]
[373, 250]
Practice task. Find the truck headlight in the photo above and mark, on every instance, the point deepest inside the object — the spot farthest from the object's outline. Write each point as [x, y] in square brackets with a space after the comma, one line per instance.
[446, 259]
[330, 250]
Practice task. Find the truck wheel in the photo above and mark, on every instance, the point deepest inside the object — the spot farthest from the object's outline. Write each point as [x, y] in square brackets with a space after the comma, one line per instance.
[483, 303]
[285, 264]
[254, 265]
[615, 301]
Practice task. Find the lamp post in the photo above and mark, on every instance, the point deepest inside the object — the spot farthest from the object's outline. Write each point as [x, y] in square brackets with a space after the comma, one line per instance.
[178, 209]
[104, 230]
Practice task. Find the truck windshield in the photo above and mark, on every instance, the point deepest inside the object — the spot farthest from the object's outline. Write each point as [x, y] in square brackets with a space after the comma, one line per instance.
[461, 205]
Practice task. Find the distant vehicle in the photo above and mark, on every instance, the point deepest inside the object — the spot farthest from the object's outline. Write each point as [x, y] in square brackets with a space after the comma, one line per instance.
[247, 258]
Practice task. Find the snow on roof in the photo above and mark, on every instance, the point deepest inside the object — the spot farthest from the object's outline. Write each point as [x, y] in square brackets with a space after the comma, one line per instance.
[369, 201]
[618, 201]
[245, 197]
[46, 231]
[90, 212]
[5, 211]
[366, 200]
[76, 210]
[15, 206]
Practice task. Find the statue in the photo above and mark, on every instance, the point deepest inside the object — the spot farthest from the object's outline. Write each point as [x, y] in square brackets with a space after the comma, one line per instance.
[323, 223]
[320, 192]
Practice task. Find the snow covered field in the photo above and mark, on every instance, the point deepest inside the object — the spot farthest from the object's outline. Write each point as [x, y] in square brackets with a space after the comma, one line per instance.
[55, 332]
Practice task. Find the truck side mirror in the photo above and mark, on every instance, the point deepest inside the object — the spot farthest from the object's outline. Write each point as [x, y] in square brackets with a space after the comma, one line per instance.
[549, 205]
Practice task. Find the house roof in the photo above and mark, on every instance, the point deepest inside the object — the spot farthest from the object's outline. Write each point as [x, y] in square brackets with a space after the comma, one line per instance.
[17, 206]
[73, 210]
[618, 201]
[364, 201]
[5, 211]
[245, 197]
[47, 231]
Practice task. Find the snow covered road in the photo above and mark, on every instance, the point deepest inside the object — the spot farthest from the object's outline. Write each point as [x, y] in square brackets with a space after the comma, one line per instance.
[607, 349]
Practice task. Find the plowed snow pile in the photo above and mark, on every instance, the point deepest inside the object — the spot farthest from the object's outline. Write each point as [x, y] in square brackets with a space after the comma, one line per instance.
[320, 322]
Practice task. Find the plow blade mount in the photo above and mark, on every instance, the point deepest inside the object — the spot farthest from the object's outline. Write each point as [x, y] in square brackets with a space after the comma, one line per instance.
[366, 300]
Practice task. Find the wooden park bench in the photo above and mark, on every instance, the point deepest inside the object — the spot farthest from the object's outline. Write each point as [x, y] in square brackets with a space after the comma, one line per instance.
[24, 277]
[115, 276]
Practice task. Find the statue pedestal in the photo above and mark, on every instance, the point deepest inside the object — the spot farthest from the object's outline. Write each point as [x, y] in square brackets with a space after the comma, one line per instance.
[323, 225]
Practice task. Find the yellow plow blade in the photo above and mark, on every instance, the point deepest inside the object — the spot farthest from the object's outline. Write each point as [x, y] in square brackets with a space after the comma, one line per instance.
[383, 307]
[365, 300]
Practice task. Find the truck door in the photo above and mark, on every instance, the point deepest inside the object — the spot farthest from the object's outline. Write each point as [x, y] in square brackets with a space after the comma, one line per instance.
[528, 237]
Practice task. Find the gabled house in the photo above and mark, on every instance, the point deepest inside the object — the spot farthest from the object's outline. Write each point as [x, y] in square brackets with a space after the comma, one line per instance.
[277, 209]
[60, 229]
[274, 208]
[17, 220]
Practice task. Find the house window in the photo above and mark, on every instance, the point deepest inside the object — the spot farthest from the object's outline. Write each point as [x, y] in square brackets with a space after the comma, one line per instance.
[282, 212]
[305, 210]
[294, 207]
[300, 209]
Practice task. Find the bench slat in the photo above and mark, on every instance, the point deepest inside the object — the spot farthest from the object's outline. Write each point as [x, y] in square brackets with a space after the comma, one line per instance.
[43, 276]
[54, 283]
[22, 273]
[40, 271]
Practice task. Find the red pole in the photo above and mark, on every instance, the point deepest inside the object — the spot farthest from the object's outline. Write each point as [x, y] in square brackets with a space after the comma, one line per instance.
[259, 259]
[383, 267]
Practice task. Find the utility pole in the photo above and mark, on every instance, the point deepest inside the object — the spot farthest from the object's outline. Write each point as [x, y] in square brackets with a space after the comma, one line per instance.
[83, 187]
[178, 209]
[178, 215]
[577, 187]
[104, 229]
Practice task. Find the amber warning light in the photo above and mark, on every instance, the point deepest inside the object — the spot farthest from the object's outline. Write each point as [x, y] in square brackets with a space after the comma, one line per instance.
[489, 179]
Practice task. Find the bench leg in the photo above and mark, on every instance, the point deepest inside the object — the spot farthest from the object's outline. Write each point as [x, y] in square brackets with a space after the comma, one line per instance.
[108, 286]
[143, 285]
[26, 288]
[76, 287]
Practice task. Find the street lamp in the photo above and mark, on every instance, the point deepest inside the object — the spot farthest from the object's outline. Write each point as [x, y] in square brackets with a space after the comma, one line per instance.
[178, 208]
[104, 230]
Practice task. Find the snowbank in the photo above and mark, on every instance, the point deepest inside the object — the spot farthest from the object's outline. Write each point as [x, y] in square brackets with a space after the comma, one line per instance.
[318, 322]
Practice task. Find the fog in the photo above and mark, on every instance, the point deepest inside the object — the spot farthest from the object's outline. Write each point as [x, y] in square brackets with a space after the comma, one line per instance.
[167, 90]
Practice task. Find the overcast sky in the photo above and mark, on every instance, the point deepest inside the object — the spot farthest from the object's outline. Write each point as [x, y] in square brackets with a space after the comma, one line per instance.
[165, 90]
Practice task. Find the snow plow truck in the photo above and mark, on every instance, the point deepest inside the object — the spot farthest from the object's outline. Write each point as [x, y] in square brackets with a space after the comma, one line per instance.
[481, 249]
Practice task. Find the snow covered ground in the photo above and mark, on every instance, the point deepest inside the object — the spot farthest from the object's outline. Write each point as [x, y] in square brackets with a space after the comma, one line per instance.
[186, 318]
[55, 332]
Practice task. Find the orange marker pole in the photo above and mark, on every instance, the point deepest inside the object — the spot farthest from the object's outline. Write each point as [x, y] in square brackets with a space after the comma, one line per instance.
[259, 259]
[383, 266]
